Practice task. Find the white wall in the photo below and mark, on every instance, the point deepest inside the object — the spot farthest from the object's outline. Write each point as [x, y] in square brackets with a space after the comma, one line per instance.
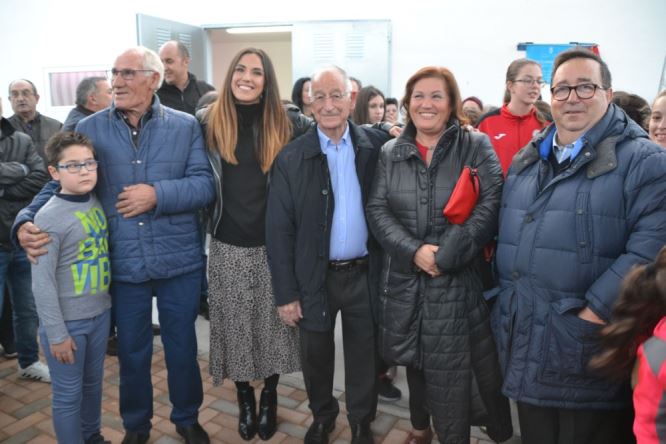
[476, 39]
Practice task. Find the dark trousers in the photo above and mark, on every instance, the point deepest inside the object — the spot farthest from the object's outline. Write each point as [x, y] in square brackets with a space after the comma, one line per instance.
[6, 327]
[418, 409]
[347, 293]
[178, 305]
[547, 425]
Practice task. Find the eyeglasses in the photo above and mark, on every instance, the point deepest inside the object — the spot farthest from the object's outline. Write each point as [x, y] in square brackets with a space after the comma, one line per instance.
[126, 74]
[73, 167]
[583, 91]
[530, 82]
[24, 93]
[335, 97]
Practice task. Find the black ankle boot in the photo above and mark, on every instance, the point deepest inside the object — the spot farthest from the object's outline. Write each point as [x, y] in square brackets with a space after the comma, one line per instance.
[247, 414]
[267, 414]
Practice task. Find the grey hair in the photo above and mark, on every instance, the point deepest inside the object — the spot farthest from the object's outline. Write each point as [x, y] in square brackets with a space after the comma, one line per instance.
[85, 88]
[151, 61]
[34, 88]
[319, 71]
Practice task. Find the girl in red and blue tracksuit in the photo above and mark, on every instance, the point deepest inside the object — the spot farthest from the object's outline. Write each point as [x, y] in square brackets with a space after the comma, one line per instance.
[639, 313]
[512, 127]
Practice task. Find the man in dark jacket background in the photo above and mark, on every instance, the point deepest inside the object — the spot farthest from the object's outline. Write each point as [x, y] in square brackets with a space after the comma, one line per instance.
[180, 90]
[92, 94]
[22, 175]
[583, 202]
[322, 255]
[24, 98]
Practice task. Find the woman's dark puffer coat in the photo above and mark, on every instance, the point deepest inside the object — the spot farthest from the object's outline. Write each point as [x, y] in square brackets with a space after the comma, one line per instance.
[440, 325]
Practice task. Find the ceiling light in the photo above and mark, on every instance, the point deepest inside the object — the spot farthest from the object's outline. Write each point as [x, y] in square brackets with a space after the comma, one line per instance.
[258, 29]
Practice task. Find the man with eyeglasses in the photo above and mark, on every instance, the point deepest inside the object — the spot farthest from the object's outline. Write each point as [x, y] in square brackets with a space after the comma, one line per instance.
[323, 259]
[24, 98]
[154, 177]
[583, 202]
[22, 175]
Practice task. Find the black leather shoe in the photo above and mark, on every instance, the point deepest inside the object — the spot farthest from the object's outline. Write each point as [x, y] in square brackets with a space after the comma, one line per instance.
[361, 434]
[112, 346]
[135, 438]
[204, 309]
[247, 414]
[96, 438]
[267, 414]
[193, 434]
[318, 433]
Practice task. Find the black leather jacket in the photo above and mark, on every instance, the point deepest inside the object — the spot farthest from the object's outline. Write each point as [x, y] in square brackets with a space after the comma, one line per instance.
[213, 214]
[22, 175]
[187, 99]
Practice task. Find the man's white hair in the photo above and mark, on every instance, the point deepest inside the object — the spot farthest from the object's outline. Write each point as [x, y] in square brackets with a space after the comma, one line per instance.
[328, 68]
[151, 61]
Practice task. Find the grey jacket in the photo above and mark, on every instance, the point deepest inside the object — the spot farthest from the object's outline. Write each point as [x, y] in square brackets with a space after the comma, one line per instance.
[43, 128]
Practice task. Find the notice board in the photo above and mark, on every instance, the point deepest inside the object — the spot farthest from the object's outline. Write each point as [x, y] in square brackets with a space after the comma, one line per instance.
[545, 53]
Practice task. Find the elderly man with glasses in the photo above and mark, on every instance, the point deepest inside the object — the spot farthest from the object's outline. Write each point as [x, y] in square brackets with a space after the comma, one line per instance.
[154, 177]
[583, 202]
[323, 259]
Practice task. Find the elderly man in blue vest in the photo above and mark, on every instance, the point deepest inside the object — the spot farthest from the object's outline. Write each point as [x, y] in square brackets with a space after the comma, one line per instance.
[583, 202]
[153, 179]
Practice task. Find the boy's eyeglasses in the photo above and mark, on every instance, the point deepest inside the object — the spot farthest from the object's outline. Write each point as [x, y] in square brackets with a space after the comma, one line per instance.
[73, 167]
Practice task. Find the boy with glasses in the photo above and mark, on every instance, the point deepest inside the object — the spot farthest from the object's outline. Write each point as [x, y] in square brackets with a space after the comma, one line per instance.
[71, 286]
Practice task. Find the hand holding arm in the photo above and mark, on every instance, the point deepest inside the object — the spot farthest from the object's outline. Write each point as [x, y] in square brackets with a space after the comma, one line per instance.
[425, 259]
[32, 240]
[136, 199]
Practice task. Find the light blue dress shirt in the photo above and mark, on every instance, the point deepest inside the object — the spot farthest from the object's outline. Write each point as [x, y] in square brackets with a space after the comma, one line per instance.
[349, 232]
[565, 152]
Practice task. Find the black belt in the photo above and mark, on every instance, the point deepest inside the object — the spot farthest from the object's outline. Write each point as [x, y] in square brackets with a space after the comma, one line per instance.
[348, 264]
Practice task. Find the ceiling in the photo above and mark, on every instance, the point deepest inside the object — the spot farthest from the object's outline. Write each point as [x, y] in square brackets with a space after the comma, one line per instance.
[220, 35]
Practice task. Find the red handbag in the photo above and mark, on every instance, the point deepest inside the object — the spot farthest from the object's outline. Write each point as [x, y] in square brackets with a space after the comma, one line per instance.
[464, 196]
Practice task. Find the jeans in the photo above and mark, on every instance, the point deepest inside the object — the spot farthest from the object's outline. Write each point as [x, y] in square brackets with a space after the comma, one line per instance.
[178, 305]
[15, 272]
[77, 388]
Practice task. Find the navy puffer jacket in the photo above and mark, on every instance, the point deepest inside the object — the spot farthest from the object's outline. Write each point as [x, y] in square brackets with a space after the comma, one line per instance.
[566, 242]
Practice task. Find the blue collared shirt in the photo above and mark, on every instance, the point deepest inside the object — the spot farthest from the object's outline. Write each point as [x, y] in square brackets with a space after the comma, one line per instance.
[561, 153]
[565, 152]
[349, 232]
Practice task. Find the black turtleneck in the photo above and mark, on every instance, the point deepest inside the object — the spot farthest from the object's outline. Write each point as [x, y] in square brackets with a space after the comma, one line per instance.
[244, 186]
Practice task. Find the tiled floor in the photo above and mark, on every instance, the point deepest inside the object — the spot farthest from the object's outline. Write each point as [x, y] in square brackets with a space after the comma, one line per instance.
[25, 409]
